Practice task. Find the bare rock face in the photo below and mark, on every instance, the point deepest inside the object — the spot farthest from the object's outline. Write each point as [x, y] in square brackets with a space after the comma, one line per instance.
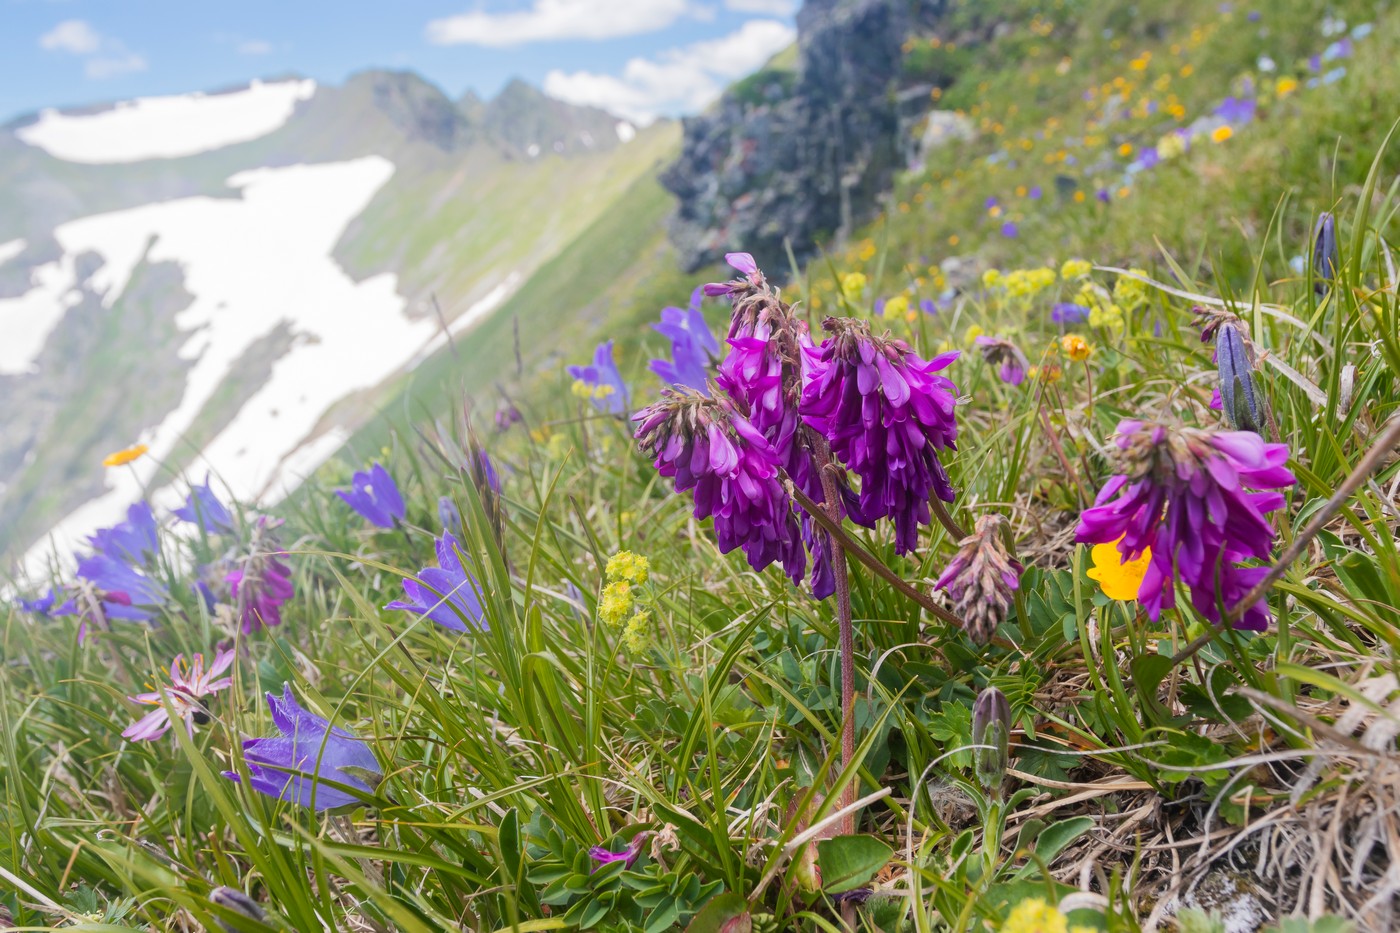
[801, 154]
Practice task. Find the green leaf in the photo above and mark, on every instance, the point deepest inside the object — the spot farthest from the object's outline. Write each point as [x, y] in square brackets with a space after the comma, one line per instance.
[848, 862]
[1053, 840]
[725, 913]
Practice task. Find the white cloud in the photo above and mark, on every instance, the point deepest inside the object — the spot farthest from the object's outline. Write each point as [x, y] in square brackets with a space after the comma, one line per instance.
[71, 35]
[763, 7]
[548, 20]
[104, 56]
[255, 47]
[111, 66]
[681, 80]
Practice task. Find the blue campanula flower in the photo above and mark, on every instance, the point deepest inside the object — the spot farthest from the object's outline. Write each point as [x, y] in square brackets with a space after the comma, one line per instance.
[40, 605]
[693, 346]
[375, 496]
[133, 541]
[204, 509]
[1067, 312]
[600, 382]
[317, 750]
[447, 593]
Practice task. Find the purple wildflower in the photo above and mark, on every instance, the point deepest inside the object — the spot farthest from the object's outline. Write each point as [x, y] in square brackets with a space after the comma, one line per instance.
[998, 351]
[1010, 230]
[732, 472]
[262, 583]
[1035, 193]
[375, 496]
[204, 509]
[1235, 110]
[1325, 254]
[1102, 195]
[447, 593]
[752, 279]
[629, 854]
[1067, 312]
[1181, 493]
[600, 382]
[133, 541]
[188, 685]
[125, 591]
[506, 416]
[448, 514]
[40, 605]
[886, 414]
[982, 579]
[315, 751]
[928, 306]
[693, 347]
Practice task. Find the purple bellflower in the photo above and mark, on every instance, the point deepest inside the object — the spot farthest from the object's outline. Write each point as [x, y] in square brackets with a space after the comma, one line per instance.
[1325, 256]
[628, 856]
[447, 593]
[693, 347]
[133, 541]
[886, 414]
[40, 605]
[1182, 493]
[998, 351]
[188, 685]
[261, 583]
[750, 280]
[294, 765]
[204, 509]
[601, 382]
[375, 496]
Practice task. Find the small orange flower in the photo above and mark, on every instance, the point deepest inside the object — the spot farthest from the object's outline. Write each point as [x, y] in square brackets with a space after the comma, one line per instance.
[1221, 133]
[1120, 580]
[1076, 347]
[123, 457]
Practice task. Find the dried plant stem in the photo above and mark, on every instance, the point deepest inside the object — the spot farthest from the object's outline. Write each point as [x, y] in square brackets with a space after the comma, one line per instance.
[845, 627]
[877, 566]
[1388, 439]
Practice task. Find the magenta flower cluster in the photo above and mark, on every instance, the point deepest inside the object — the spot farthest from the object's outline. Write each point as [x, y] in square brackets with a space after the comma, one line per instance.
[1185, 494]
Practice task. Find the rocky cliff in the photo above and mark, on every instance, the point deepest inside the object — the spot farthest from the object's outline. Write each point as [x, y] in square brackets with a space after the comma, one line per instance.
[803, 152]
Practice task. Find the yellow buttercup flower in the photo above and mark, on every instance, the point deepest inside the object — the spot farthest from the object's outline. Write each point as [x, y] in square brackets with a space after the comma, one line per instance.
[1119, 579]
[624, 565]
[123, 457]
[1221, 133]
[1035, 915]
[1285, 86]
[1076, 347]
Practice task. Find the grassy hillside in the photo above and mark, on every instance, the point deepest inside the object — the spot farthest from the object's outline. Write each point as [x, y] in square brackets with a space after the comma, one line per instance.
[567, 737]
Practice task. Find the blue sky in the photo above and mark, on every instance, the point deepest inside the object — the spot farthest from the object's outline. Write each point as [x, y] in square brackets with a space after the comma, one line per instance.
[639, 58]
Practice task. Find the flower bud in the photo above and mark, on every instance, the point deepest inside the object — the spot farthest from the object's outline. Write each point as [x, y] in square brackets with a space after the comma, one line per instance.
[991, 728]
[1325, 258]
[1238, 400]
[238, 902]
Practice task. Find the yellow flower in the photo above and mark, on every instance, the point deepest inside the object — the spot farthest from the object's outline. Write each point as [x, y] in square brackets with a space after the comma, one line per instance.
[123, 457]
[1034, 915]
[852, 284]
[1079, 197]
[624, 565]
[581, 389]
[557, 447]
[1119, 579]
[1131, 291]
[972, 333]
[1075, 268]
[1285, 86]
[954, 240]
[991, 278]
[1110, 316]
[617, 603]
[1220, 134]
[994, 210]
[1076, 347]
[637, 635]
[1048, 374]
[1170, 146]
[896, 306]
[1126, 149]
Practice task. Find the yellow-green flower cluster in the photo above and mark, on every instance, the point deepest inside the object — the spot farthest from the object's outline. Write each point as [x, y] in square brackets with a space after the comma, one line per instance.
[624, 565]
[618, 602]
[897, 307]
[852, 284]
[1130, 291]
[1102, 311]
[1035, 915]
[1026, 283]
[1075, 269]
[584, 390]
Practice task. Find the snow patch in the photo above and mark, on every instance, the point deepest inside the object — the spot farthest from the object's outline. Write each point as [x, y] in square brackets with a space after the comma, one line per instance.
[253, 264]
[167, 127]
[626, 132]
[10, 249]
[27, 321]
